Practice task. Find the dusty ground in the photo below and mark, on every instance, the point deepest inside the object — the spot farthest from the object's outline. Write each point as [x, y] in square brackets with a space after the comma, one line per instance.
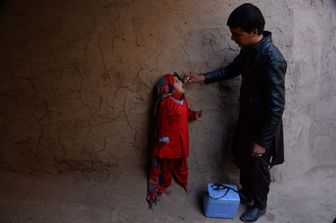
[120, 197]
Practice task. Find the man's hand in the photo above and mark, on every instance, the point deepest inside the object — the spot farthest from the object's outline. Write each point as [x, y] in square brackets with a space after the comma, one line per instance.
[193, 77]
[257, 150]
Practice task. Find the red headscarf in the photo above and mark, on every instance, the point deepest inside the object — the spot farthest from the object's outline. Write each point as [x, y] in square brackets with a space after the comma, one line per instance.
[165, 85]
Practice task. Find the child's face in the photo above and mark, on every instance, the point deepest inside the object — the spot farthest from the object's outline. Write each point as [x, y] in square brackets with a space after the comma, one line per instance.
[178, 86]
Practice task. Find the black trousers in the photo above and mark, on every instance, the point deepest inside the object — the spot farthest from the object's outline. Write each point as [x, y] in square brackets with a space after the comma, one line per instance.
[254, 171]
[255, 178]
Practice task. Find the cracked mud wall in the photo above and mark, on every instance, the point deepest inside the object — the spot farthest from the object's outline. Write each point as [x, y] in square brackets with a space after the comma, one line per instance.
[76, 80]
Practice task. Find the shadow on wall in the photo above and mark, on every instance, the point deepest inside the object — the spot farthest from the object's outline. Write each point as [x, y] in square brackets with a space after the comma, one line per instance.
[3, 3]
[227, 168]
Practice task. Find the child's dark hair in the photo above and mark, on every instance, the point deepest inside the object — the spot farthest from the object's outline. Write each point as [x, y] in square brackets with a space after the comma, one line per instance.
[248, 17]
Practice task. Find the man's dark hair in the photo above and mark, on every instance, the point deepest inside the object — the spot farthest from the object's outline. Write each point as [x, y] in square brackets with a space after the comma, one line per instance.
[248, 17]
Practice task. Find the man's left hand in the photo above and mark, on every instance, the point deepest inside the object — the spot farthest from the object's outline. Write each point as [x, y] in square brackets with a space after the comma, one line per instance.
[257, 150]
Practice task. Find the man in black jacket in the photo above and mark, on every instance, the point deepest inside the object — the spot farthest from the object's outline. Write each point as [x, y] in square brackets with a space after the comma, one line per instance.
[258, 141]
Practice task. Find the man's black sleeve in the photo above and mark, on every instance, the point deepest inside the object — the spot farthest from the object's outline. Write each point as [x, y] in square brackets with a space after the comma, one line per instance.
[230, 71]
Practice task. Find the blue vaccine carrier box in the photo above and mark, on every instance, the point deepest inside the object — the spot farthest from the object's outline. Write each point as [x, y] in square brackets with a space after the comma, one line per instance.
[221, 201]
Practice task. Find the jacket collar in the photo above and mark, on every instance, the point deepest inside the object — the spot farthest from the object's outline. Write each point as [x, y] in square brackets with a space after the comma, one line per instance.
[267, 38]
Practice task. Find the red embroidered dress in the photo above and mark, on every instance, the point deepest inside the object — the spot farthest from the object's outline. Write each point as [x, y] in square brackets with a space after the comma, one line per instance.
[173, 134]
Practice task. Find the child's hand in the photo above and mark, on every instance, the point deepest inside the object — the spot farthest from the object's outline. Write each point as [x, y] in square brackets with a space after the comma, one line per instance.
[193, 115]
[199, 114]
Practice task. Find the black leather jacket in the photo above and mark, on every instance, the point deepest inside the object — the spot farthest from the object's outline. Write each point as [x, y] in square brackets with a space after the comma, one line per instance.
[262, 92]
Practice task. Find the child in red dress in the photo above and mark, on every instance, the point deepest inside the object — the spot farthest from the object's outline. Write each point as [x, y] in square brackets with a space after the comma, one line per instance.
[171, 147]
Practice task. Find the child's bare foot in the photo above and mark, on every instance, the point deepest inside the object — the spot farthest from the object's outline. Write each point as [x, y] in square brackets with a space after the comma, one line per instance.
[167, 191]
[187, 189]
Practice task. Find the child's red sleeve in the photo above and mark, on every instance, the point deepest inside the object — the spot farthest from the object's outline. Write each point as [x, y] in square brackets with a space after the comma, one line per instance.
[192, 115]
[163, 122]
[166, 115]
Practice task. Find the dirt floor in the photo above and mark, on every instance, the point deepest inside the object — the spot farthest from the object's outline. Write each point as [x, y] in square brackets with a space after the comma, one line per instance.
[120, 197]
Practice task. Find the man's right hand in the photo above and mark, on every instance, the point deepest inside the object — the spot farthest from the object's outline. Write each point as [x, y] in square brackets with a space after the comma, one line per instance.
[193, 77]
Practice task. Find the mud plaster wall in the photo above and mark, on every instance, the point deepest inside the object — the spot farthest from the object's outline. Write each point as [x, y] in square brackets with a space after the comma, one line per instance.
[76, 80]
